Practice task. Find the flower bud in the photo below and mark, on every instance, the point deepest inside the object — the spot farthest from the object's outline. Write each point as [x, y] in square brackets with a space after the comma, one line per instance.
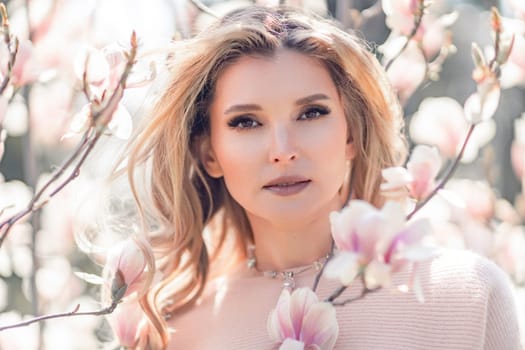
[477, 56]
[125, 268]
[506, 45]
[495, 20]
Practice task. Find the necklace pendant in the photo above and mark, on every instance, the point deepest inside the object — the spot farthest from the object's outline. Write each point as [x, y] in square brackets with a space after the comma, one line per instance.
[289, 282]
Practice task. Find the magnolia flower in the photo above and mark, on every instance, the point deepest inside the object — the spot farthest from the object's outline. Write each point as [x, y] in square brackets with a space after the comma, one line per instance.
[23, 70]
[481, 105]
[300, 321]
[120, 125]
[423, 165]
[476, 198]
[404, 81]
[124, 268]
[400, 14]
[441, 122]
[374, 242]
[419, 175]
[400, 18]
[101, 69]
[128, 321]
[396, 183]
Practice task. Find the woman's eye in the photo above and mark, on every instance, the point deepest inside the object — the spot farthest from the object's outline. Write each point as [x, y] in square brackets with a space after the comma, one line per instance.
[243, 123]
[314, 113]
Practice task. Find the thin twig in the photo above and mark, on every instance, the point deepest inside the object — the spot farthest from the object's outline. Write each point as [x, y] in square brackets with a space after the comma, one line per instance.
[336, 294]
[104, 311]
[12, 47]
[364, 292]
[320, 273]
[447, 177]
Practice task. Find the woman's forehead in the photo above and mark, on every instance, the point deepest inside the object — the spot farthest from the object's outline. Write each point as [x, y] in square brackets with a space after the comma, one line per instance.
[286, 74]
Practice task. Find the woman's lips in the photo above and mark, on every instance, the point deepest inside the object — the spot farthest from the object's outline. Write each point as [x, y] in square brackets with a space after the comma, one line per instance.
[287, 186]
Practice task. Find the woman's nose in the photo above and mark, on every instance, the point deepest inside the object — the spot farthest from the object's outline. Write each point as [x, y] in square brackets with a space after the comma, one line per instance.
[283, 148]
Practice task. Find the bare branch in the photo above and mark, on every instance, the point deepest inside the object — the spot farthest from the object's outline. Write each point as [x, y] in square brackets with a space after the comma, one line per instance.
[364, 292]
[104, 311]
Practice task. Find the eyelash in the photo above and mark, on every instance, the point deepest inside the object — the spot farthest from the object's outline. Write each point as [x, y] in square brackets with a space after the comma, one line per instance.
[247, 122]
[319, 110]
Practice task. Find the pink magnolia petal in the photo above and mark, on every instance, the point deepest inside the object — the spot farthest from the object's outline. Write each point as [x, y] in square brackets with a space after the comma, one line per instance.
[291, 344]
[97, 68]
[414, 232]
[301, 301]
[320, 326]
[395, 178]
[440, 122]
[343, 223]
[518, 159]
[273, 326]
[132, 261]
[394, 215]
[378, 274]
[126, 321]
[424, 165]
[3, 135]
[482, 105]
[121, 123]
[23, 72]
[343, 266]
[282, 320]
[3, 107]
[414, 284]
[80, 121]
[116, 60]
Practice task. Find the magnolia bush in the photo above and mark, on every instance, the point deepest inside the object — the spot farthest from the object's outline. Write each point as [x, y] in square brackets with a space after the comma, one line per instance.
[75, 76]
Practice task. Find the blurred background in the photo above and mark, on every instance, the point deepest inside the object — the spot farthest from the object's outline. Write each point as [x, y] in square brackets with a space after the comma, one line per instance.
[41, 106]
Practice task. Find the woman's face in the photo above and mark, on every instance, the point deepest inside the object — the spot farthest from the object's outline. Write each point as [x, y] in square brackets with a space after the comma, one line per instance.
[278, 136]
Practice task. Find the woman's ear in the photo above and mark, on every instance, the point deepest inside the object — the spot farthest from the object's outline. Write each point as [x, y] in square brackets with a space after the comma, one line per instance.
[208, 158]
[350, 150]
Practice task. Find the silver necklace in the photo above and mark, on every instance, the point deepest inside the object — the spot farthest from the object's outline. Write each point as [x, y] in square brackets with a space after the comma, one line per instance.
[287, 276]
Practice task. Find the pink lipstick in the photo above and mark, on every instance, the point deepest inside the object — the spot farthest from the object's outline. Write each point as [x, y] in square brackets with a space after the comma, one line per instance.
[287, 185]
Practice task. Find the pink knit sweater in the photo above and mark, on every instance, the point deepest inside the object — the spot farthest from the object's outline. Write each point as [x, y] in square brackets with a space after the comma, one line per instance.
[468, 305]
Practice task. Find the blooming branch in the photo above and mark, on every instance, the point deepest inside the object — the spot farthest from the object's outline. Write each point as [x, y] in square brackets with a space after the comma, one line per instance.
[481, 105]
[418, 7]
[101, 115]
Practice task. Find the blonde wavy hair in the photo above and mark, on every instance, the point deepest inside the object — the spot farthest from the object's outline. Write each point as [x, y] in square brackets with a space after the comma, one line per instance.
[185, 202]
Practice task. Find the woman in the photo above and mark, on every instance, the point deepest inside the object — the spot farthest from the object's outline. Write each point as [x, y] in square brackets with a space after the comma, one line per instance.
[268, 115]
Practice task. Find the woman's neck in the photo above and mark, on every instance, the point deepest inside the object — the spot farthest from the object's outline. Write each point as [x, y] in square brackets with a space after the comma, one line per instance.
[279, 248]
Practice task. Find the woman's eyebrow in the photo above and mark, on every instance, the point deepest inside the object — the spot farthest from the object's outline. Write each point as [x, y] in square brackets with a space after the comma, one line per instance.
[309, 99]
[243, 108]
[254, 107]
